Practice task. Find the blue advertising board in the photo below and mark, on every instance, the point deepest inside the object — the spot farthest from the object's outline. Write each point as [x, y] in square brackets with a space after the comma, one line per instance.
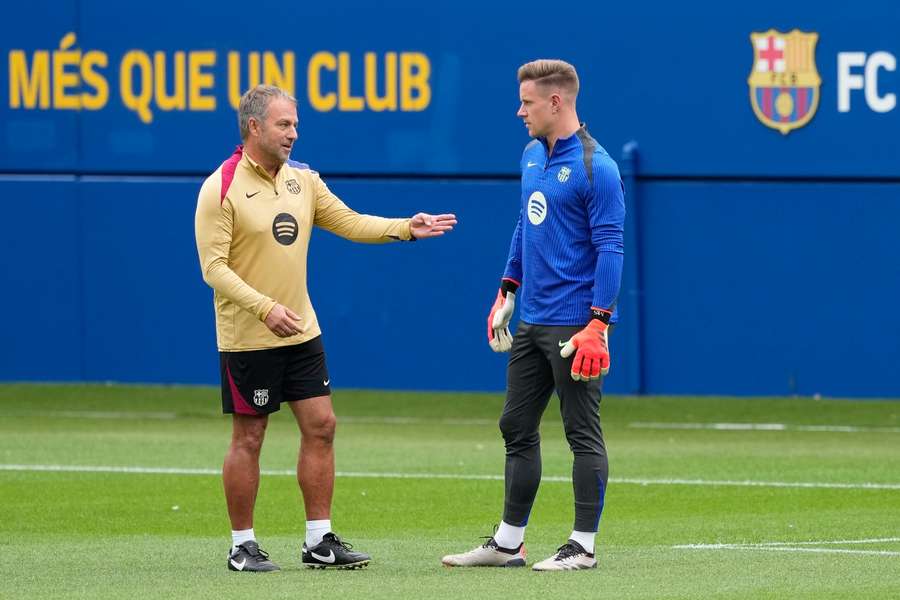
[766, 89]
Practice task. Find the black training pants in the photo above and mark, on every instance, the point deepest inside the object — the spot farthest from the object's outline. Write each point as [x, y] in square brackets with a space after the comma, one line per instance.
[535, 369]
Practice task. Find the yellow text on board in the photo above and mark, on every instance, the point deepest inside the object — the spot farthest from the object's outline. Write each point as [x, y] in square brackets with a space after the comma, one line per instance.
[150, 82]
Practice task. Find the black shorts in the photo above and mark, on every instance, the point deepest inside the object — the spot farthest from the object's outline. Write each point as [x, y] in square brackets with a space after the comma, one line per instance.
[256, 382]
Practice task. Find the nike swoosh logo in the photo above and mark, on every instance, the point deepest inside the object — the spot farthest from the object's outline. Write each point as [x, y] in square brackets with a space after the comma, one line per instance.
[531, 164]
[238, 565]
[326, 382]
[326, 559]
[561, 344]
[253, 194]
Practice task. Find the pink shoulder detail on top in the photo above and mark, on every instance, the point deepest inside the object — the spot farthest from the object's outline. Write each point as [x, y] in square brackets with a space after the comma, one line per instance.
[228, 168]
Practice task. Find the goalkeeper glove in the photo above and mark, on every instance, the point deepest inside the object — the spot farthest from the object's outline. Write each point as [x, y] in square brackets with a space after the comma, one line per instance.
[592, 358]
[499, 337]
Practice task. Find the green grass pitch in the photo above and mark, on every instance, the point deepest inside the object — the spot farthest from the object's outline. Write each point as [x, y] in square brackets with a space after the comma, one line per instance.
[114, 492]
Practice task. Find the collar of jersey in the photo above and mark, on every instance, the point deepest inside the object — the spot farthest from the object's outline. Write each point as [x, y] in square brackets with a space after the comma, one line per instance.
[565, 143]
[259, 170]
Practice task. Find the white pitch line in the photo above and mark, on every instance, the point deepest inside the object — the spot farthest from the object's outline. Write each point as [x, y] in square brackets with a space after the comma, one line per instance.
[93, 414]
[115, 469]
[828, 551]
[272, 472]
[99, 414]
[753, 483]
[763, 427]
[364, 420]
[840, 542]
[798, 547]
[415, 421]
[452, 476]
[803, 543]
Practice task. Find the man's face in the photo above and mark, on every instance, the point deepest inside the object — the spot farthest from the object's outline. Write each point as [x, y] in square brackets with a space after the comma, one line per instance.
[278, 131]
[536, 108]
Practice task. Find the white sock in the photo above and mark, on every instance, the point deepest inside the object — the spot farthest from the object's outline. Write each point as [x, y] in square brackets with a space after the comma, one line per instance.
[509, 536]
[240, 536]
[585, 538]
[315, 530]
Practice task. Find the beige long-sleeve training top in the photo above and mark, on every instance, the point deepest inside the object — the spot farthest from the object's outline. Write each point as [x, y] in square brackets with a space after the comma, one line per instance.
[253, 237]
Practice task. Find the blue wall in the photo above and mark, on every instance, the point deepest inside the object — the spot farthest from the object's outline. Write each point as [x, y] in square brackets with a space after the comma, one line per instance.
[747, 288]
[771, 288]
[114, 268]
[760, 263]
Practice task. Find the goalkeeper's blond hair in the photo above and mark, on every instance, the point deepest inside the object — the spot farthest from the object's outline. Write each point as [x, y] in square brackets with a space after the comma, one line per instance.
[552, 73]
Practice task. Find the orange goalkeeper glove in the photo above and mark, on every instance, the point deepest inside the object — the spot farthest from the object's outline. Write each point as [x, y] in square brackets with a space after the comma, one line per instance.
[499, 337]
[592, 345]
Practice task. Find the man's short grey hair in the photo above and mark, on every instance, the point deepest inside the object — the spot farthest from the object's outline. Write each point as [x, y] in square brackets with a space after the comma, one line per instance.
[255, 103]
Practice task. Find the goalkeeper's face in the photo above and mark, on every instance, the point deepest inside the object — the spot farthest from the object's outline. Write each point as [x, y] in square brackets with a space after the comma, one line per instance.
[278, 130]
[536, 108]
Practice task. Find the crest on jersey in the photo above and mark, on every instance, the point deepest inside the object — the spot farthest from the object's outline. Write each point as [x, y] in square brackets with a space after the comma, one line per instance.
[260, 397]
[563, 174]
[292, 186]
[784, 83]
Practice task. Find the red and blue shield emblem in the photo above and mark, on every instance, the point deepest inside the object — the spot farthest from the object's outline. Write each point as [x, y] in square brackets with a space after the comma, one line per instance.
[784, 83]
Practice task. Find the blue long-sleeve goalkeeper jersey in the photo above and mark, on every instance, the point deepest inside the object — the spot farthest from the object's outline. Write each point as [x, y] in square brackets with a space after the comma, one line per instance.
[567, 248]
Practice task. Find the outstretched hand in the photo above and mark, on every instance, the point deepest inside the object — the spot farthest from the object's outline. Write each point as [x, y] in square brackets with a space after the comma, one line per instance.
[424, 225]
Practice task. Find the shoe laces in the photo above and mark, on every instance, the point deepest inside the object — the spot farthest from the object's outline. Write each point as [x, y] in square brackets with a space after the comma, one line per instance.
[489, 539]
[254, 552]
[568, 551]
[489, 542]
[334, 539]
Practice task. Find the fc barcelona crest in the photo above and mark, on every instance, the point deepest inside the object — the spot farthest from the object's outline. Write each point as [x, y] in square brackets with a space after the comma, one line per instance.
[260, 397]
[784, 83]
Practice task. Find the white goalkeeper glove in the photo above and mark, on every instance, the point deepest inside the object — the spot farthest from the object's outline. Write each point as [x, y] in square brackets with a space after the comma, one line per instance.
[499, 337]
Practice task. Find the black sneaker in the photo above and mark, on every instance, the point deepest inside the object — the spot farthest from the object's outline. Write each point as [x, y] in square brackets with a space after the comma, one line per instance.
[248, 557]
[332, 553]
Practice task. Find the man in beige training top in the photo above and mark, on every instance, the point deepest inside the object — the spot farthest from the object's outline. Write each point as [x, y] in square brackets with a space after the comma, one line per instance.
[253, 223]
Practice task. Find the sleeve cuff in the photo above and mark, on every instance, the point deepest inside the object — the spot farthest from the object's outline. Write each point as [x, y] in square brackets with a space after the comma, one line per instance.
[267, 306]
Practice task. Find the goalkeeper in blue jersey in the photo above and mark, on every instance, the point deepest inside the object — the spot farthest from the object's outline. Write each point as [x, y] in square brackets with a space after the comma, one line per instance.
[565, 270]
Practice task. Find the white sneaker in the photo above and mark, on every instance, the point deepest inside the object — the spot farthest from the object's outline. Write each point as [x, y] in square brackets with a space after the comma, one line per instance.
[488, 555]
[571, 556]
